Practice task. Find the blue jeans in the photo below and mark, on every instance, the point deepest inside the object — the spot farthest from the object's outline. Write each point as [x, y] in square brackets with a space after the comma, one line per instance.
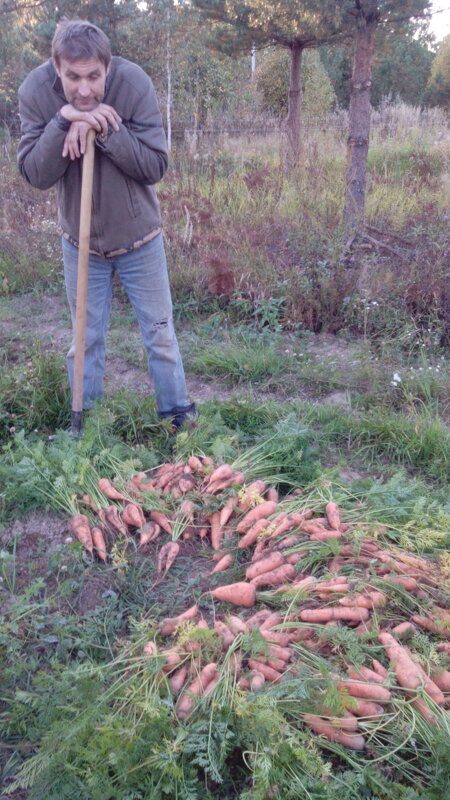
[143, 274]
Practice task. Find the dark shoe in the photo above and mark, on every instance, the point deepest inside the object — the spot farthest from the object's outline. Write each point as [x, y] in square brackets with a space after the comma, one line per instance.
[181, 416]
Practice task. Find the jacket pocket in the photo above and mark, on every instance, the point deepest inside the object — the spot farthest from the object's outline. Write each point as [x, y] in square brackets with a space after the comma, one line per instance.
[133, 198]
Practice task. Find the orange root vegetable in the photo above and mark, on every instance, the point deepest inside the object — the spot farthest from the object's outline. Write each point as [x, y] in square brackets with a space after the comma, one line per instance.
[379, 669]
[211, 686]
[274, 618]
[243, 683]
[274, 577]
[224, 563]
[335, 588]
[290, 541]
[173, 658]
[178, 679]
[253, 533]
[240, 594]
[262, 548]
[220, 473]
[225, 633]
[256, 620]
[333, 515]
[168, 626]
[250, 493]
[160, 518]
[327, 730]
[365, 674]
[293, 558]
[320, 615]
[235, 662]
[88, 501]
[363, 708]
[148, 533]
[272, 561]
[405, 670]
[312, 527]
[366, 691]
[276, 637]
[269, 673]
[258, 512]
[227, 511]
[404, 629]
[421, 706]
[431, 688]
[167, 556]
[111, 516]
[439, 626]
[323, 536]
[187, 701]
[217, 530]
[283, 526]
[109, 490]
[81, 529]
[442, 679]
[150, 649]
[133, 515]
[368, 600]
[305, 583]
[272, 494]
[195, 464]
[410, 584]
[282, 653]
[236, 624]
[98, 540]
[257, 681]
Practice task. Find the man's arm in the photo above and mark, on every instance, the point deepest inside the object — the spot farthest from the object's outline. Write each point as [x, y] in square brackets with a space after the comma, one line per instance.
[139, 147]
[40, 149]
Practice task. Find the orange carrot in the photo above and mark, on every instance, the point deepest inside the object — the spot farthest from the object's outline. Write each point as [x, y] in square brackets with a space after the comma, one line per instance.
[368, 600]
[323, 536]
[404, 629]
[150, 649]
[443, 647]
[262, 547]
[224, 563]
[367, 691]
[133, 515]
[366, 674]
[168, 626]
[167, 556]
[439, 626]
[195, 464]
[160, 518]
[257, 619]
[269, 673]
[327, 730]
[220, 473]
[250, 493]
[253, 533]
[227, 511]
[405, 670]
[178, 679]
[240, 594]
[172, 657]
[264, 565]
[148, 533]
[281, 638]
[236, 624]
[431, 688]
[186, 703]
[112, 516]
[272, 495]
[211, 685]
[79, 525]
[258, 512]
[217, 530]
[379, 669]
[98, 540]
[274, 577]
[333, 515]
[243, 683]
[109, 490]
[441, 678]
[225, 633]
[257, 681]
[88, 501]
[319, 615]
[403, 580]
[363, 708]
[312, 527]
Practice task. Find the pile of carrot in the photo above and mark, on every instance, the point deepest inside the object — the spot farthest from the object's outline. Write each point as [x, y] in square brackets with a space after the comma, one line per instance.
[264, 544]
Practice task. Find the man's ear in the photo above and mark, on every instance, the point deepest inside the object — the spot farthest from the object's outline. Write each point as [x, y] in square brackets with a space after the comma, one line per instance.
[56, 68]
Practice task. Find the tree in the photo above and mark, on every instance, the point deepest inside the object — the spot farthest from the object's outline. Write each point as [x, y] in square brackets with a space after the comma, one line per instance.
[291, 24]
[438, 88]
[272, 82]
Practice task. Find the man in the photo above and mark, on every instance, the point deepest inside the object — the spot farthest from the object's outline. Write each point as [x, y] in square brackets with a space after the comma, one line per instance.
[79, 88]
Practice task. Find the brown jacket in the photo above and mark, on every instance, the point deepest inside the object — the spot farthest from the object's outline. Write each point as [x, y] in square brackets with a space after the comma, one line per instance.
[125, 208]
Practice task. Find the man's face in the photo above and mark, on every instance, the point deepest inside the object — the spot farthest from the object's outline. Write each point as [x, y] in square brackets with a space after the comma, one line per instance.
[83, 82]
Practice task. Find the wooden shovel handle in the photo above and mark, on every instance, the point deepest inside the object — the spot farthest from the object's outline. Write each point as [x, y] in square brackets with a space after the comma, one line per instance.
[82, 280]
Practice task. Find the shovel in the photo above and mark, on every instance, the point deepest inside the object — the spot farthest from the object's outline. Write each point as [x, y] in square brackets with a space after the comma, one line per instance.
[82, 282]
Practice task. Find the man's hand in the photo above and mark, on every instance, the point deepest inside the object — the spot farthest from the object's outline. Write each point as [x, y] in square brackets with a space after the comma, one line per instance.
[99, 119]
[75, 141]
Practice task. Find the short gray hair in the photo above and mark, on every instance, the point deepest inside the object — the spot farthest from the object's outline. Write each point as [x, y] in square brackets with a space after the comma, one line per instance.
[78, 39]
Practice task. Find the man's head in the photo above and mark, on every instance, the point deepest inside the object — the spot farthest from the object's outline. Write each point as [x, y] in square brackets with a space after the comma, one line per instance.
[81, 57]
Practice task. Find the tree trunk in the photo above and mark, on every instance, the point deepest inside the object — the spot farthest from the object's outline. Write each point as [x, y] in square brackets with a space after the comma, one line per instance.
[293, 121]
[359, 124]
